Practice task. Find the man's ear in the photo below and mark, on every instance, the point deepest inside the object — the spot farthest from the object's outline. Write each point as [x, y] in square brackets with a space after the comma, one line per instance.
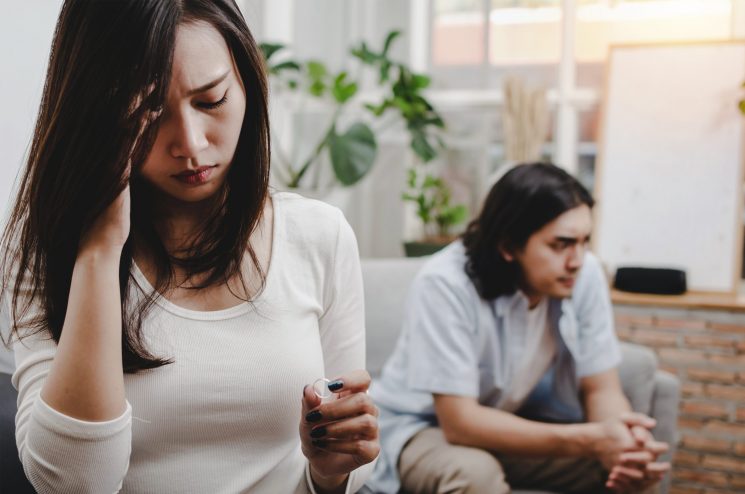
[506, 253]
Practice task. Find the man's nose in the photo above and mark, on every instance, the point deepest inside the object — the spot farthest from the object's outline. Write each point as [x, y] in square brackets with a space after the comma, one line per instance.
[576, 256]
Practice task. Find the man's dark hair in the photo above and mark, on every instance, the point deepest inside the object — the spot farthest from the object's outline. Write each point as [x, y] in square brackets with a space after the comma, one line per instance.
[524, 200]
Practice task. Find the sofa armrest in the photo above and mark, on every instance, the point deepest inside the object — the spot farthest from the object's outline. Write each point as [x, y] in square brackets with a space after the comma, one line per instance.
[637, 374]
[665, 402]
[11, 470]
[653, 392]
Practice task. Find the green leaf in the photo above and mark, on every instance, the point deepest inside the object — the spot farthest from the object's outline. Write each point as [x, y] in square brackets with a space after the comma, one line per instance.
[288, 65]
[378, 110]
[352, 153]
[742, 106]
[420, 81]
[339, 79]
[452, 216]
[435, 120]
[364, 54]
[317, 88]
[411, 178]
[388, 40]
[422, 147]
[346, 93]
[342, 91]
[402, 105]
[316, 69]
[385, 69]
[269, 49]
[430, 181]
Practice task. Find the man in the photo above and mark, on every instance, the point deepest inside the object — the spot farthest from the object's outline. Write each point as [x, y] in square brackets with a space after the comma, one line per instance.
[505, 372]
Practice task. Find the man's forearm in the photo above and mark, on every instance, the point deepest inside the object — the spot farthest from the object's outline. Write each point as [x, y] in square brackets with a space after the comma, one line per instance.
[503, 432]
[603, 404]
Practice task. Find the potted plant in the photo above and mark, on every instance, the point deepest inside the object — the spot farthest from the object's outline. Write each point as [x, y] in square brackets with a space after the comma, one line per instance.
[352, 151]
[427, 191]
[432, 198]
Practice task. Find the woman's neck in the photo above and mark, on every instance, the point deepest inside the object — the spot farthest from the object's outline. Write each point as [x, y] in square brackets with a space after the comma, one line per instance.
[178, 223]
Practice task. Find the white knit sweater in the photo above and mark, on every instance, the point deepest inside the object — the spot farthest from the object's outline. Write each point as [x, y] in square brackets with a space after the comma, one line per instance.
[224, 417]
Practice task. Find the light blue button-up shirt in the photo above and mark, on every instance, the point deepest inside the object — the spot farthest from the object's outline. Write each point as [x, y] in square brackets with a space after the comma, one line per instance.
[453, 342]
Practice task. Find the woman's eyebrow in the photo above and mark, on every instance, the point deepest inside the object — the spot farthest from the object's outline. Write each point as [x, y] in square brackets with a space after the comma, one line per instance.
[208, 86]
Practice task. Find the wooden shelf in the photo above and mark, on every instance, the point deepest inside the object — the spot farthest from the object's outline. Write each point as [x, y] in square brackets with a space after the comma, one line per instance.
[689, 300]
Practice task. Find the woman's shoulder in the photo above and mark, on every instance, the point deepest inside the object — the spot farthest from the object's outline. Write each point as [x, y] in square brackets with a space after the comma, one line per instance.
[294, 205]
[308, 221]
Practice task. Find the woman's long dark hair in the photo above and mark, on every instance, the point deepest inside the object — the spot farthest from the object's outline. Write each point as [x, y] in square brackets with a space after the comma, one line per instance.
[105, 57]
[524, 200]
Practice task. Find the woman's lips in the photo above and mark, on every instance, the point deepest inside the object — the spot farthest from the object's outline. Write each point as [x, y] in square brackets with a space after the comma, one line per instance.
[195, 177]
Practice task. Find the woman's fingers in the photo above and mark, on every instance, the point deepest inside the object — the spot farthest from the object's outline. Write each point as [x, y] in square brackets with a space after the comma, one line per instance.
[359, 427]
[309, 401]
[357, 381]
[366, 451]
[346, 407]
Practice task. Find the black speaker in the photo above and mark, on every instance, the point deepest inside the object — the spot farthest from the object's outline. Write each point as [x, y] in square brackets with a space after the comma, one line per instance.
[659, 281]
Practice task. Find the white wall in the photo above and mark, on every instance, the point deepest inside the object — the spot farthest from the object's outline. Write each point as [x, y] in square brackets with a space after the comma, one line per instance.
[25, 38]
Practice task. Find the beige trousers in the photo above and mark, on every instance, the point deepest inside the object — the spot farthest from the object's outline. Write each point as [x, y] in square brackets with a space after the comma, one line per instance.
[430, 465]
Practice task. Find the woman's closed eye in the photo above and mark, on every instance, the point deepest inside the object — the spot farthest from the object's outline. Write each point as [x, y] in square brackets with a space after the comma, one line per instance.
[213, 105]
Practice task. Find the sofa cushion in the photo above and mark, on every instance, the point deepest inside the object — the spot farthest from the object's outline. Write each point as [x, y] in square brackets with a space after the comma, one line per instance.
[386, 283]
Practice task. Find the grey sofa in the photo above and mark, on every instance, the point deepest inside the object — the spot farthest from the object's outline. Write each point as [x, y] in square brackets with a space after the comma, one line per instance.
[386, 282]
[650, 391]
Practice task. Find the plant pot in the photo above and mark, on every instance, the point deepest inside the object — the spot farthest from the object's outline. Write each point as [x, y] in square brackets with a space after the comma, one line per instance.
[425, 247]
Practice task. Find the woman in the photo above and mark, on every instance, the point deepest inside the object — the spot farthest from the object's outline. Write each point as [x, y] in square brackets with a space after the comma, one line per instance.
[168, 353]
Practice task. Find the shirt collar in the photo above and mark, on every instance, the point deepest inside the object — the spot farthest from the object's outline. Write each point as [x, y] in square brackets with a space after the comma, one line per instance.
[507, 303]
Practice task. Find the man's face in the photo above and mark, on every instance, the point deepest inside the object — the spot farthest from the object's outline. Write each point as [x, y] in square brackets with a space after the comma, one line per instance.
[552, 256]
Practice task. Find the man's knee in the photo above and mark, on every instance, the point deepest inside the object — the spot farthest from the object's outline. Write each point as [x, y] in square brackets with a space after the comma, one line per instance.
[474, 471]
[429, 464]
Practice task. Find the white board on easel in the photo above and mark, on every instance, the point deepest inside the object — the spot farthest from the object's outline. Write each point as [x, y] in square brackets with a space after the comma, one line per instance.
[669, 183]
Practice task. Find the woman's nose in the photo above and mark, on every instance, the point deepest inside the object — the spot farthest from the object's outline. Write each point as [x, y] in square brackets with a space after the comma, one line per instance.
[189, 138]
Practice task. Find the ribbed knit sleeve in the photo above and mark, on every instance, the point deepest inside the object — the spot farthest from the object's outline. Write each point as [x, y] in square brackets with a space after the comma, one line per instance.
[61, 454]
[342, 325]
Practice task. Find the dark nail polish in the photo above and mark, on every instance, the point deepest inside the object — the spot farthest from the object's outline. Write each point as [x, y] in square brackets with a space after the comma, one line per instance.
[313, 416]
[318, 443]
[318, 432]
[336, 385]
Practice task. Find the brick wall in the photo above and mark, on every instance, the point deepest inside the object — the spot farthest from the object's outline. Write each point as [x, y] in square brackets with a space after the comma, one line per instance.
[706, 350]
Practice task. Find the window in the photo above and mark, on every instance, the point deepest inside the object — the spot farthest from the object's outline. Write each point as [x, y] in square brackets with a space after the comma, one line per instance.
[476, 44]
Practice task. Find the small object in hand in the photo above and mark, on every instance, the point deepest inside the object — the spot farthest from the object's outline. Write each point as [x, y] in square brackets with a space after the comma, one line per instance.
[321, 388]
